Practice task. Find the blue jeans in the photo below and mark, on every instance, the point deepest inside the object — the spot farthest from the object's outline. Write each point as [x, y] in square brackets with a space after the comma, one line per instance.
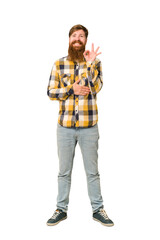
[67, 139]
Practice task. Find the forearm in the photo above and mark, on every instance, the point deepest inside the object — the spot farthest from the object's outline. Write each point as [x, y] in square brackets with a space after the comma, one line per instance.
[55, 91]
[94, 74]
[59, 93]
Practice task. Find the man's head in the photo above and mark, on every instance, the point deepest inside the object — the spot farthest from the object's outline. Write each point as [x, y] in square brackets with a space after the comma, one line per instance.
[77, 41]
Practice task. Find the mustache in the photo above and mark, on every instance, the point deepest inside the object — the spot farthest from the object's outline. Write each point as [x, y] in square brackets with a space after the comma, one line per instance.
[77, 41]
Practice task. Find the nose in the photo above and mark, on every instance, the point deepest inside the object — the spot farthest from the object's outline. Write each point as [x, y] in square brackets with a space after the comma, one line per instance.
[77, 37]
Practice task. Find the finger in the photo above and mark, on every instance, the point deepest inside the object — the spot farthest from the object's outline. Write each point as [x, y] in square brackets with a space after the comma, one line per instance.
[86, 53]
[92, 47]
[97, 50]
[85, 93]
[98, 53]
[85, 89]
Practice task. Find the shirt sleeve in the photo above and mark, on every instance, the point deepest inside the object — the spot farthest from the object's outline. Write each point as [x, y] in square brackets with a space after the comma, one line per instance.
[95, 79]
[54, 91]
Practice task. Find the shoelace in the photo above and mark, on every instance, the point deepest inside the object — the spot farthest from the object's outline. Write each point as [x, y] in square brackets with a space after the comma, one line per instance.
[56, 213]
[103, 214]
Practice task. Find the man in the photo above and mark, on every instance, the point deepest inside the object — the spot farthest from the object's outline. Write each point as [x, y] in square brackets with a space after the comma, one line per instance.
[75, 81]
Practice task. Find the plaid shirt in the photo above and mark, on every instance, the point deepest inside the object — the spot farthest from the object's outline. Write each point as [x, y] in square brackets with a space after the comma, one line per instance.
[75, 110]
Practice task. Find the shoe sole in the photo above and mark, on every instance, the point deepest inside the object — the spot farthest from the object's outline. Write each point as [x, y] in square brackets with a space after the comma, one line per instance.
[53, 224]
[105, 224]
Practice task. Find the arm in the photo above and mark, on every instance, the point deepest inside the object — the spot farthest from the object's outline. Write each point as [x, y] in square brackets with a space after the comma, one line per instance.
[94, 72]
[54, 91]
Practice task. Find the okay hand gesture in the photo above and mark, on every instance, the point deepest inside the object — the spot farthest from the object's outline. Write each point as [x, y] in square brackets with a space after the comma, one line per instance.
[91, 55]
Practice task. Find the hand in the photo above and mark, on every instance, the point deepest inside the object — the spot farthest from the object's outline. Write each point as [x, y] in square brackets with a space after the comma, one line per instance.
[80, 90]
[90, 56]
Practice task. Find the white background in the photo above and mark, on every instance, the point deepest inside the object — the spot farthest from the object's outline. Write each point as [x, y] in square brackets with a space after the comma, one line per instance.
[33, 35]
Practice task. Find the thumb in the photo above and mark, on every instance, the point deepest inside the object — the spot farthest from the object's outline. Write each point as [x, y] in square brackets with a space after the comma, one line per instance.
[78, 81]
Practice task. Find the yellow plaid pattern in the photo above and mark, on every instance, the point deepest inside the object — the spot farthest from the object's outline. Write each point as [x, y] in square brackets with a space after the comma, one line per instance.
[75, 110]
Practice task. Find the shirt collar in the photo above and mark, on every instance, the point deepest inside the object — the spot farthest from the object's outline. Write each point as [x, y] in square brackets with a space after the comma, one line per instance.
[84, 60]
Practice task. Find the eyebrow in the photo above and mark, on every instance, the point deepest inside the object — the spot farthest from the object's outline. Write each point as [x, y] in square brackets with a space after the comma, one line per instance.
[79, 34]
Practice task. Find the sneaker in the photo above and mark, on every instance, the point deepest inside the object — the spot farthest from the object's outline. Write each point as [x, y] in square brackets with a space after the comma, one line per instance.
[57, 217]
[101, 216]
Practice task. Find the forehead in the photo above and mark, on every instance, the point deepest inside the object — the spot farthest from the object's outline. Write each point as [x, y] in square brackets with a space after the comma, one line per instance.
[78, 32]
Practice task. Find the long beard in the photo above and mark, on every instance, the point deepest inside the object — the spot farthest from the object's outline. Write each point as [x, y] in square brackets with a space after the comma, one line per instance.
[76, 53]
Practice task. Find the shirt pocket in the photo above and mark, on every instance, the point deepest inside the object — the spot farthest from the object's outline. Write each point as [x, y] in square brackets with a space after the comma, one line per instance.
[66, 79]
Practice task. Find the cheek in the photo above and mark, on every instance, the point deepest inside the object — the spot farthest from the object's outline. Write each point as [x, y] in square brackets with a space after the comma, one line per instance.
[71, 40]
[84, 41]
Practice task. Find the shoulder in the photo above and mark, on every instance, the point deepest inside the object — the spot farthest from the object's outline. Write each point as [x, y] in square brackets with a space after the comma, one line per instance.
[60, 60]
[59, 63]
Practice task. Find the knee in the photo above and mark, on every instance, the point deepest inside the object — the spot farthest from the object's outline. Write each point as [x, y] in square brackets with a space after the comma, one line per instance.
[93, 176]
[66, 176]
